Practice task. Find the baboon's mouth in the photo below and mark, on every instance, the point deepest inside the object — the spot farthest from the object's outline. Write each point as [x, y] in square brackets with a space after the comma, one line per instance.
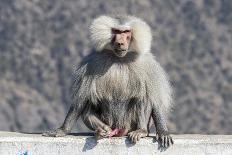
[120, 52]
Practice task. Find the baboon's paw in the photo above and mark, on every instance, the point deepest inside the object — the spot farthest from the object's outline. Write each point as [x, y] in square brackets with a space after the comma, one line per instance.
[103, 132]
[55, 133]
[165, 140]
[136, 135]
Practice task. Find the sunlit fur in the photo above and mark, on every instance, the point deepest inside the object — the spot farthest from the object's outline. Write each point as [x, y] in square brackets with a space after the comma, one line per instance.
[103, 77]
[101, 32]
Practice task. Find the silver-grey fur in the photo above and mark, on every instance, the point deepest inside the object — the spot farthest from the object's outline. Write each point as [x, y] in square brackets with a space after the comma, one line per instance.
[126, 92]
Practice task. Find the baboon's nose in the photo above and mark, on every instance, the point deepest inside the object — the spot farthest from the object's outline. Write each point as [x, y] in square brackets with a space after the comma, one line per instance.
[119, 44]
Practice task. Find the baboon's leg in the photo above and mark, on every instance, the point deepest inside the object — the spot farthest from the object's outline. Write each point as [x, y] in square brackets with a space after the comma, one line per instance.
[92, 121]
[143, 115]
[69, 121]
[160, 120]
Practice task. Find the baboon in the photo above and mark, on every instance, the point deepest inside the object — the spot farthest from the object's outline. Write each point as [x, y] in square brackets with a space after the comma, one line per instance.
[118, 88]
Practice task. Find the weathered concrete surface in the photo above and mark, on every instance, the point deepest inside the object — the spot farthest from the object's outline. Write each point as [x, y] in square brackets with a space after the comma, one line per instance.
[17, 143]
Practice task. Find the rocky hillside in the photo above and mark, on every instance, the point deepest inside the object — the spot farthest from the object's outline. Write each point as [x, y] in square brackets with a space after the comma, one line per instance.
[41, 43]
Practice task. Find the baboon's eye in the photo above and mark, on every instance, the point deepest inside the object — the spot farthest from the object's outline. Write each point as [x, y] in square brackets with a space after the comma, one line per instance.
[116, 31]
[126, 31]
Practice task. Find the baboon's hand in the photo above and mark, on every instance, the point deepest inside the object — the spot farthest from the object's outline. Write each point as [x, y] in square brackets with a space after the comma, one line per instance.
[136, 135]
[164, 140]
[55, 133]
[103, 132]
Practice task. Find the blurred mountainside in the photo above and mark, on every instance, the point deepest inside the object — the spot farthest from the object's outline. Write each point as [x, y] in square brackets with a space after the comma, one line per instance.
[42, 42]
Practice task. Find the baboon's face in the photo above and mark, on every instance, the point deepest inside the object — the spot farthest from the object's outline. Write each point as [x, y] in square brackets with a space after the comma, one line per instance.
[121, 41]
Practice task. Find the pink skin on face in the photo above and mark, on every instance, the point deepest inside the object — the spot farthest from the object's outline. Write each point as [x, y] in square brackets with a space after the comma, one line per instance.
[121, 41]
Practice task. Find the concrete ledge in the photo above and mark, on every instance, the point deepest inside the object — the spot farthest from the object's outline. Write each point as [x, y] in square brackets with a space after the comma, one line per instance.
[29, 144]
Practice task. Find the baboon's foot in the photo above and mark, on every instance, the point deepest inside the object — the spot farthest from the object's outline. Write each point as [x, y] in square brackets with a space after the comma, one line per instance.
[55, 133]
[164, 140]
[136, 135]
[103, 132]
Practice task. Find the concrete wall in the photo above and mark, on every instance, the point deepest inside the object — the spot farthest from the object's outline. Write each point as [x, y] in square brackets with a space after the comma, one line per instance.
[29, 144]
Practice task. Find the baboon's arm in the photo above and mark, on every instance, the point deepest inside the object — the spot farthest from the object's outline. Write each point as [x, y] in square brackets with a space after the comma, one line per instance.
[72, 116]
[160, 121]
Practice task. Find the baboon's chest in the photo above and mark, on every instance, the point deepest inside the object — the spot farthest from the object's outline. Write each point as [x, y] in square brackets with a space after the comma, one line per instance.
[119, 82]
